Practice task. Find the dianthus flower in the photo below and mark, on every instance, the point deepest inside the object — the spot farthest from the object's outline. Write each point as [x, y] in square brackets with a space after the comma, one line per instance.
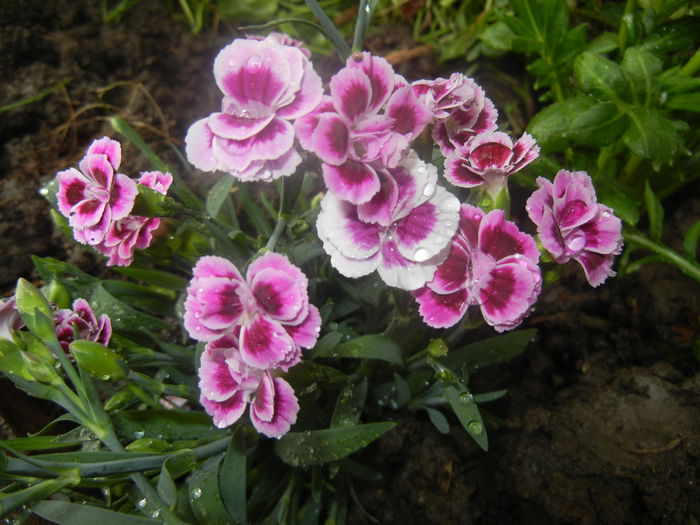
[133, 231]
[266, 85]
[269, 310]
[403, 232]
[228, 385]
[572, 225]
[488, 159]
[10, 320]
[96, 195]
[365, 125]
[459, 109]
[81, 319]
[492, 265]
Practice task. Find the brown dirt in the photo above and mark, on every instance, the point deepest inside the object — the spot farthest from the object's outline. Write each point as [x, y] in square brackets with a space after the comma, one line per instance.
[602, 420]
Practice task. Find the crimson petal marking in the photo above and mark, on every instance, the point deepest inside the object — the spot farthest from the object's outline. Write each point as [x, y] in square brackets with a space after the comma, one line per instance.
[597, 267]
[500, 238]
[452, 274]
[264, 343]
[97, 168]
[604, 232]
[221, 307]
[225, 413]
[87, 213]
[441, 310]
[307, 98]
[213, 266]
[122, 196]
[339, 224]
[490, 155]
[409, 115]
[351, 181]
[286, 408]
[459, 173]
[215, 380]
[470, 218]
[263, 405]
[505, 296]
[108, 147]
[71, 189]
[305, 334]
[380, 75]
[380, 208]
[278, 294]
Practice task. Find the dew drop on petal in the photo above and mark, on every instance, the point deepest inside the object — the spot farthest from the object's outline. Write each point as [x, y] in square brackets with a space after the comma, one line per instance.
[141, 503]
[196, 493]
[421, 254]
[428, 189]
[606, 213]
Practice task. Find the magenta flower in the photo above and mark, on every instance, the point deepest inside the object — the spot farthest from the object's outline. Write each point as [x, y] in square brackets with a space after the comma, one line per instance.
[492, 265]
[365, 125]
[96, 195]
[403, 232]
[133, 232]
[572, 225]
[459, 109]
[269, 310]
[266, 85]
[81, 320]
[228, 385]
[488, 159]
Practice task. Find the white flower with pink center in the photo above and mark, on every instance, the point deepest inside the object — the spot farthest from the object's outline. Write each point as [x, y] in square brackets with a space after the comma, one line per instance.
[132, 232]
[364, 126]
[492, 265]
[572, 225]
[266, 85]
[403, 232]
[228, 385]
[268, 310]
[488, 159]
[94, 196]
[459, 109]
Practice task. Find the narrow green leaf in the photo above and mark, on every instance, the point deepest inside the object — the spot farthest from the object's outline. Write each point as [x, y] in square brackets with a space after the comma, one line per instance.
[316, 447]
[373, 346]
[489, 396]
[66, 513]
[684, 102]
[167, 490]
[655, 213]
[462, 402]
[204, 493]
[232, 478]
[123, 316]
[330, 30]
[97, 360]
[165, 424]
[349, 404]
[9, 501]
[489, 351]
[218, 194]
[256, 215]
[690, 241]
[439, 420]
[153, 277]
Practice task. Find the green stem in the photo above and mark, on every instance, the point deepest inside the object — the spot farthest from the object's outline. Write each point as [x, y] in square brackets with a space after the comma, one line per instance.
[686, 266]
[692, 66]
[277, 232]
[623, 35]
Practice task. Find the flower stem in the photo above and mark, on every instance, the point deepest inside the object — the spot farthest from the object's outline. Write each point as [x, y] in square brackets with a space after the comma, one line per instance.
[688, 267]
[692, 66]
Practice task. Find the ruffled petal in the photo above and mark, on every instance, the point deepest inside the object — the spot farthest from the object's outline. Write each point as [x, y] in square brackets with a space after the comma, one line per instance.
[98, 169]
[351, 93]
[286, 408]
[305, 334]
[457, 172]
[108, 147]
[604, 232]
[264, 343]
[598, 267]
[122, 196]
[71, 189]
[500, 238]
[331, 139]
[410, 117]
[351, 181]
[339, 223]
[380, 75]
[281, 294]
[225, 413]
[441, 310]
[380, 208]
[198, 146]
[307, 98]
[215, 380]
[452, 274]
[237, 127]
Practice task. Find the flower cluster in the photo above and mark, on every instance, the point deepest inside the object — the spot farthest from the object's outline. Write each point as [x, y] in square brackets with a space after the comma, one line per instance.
[98, 202]
[572, 225]
[255, 328]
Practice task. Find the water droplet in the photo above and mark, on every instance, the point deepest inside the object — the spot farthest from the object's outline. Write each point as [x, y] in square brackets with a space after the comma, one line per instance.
[466, 397]
[43, 191]
[139, 434]
[196, 493]
[421, 254]
[155, 513]
[606, 214]
[428, 189]
[475, 427]
[141, 503]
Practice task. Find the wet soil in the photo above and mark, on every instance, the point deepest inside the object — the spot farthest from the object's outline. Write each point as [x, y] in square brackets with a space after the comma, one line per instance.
[602, 420]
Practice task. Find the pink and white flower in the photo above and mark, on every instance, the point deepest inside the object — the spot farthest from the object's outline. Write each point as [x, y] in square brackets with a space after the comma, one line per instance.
[459, 109]
[488, 159]
[572, 225]
[492, 265]
[365, 125]
[81, 320]
[268, 310]
[94, 196]
[403, 232]
[133, 232]
[228, 385]
[266, 85]
[10, 320]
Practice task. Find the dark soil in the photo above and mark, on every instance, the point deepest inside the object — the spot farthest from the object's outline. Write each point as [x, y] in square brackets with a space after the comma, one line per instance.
[602, 420]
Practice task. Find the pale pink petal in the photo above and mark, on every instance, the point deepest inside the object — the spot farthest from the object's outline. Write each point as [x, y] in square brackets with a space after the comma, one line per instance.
[98, 169]
[215, 380]
[604, 232]
[306, 125]
[458, 173]
[340, 224]
[122, 196]
[273, 141]
[156, 180]
[540, 200]
[71, 189]
[269, 170]
[441, 310]
[351, 92]
[87, 213]
[263, 404]
[108, 147]
[597, 267]
[213, 266]
[198, 146]
[525, 151]
[307, 98]
[380, 75]
[351, 181]
[500, 238]
[330, 140]
[410, 117]
[452, 273]
[401, 272]
[264, 343]
[225, 413]
[286, 408]
[281, 294]
[380, 208]
[220, 304]
[306, 333]
[237, 127]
